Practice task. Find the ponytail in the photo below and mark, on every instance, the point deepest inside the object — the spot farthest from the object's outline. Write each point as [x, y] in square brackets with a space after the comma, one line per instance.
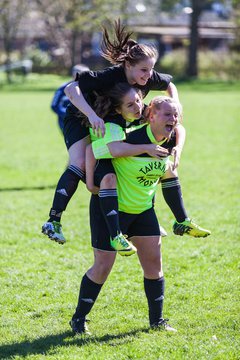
[123, 48]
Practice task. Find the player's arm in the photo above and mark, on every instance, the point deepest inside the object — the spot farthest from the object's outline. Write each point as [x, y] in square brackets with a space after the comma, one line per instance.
[123, 149]
[90, 166]
[75, 95]
[177, 149]
[112, 145]
[173, 93]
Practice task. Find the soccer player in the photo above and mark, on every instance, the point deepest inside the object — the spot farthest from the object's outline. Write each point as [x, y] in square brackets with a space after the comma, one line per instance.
[133, 63]
[138, 177]
[125, 105]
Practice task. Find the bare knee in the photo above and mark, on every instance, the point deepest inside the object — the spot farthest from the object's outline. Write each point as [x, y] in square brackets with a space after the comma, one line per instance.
[77, 159]
[77, 153]
[78, 162]
[153, 268]
[109, 182]
[99, 273]
[102, 266]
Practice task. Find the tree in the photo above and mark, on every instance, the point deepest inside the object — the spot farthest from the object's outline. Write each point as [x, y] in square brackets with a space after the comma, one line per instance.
[11, 14]
[68, 21]
[192, 63]
[197, 7]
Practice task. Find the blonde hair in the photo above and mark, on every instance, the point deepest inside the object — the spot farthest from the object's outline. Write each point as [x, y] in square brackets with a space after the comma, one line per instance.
[156, 103]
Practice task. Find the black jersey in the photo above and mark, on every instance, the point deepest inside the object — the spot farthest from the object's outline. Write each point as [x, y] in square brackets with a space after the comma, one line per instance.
[100, 82]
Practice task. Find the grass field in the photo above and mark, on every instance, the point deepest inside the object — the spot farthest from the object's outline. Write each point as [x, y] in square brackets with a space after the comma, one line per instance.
[40, 279]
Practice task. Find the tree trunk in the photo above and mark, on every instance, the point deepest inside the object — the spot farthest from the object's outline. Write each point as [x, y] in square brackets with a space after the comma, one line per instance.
[192, 66]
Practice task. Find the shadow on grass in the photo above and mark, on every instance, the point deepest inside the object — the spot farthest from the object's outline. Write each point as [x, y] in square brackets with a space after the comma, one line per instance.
[44, 344]
[28, 188]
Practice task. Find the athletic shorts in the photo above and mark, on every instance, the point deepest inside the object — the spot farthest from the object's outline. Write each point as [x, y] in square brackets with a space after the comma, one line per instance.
[102, 168]
[73, 130]
[143, 224]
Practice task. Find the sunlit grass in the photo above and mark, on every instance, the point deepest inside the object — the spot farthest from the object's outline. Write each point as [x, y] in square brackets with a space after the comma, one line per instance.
[40, 279]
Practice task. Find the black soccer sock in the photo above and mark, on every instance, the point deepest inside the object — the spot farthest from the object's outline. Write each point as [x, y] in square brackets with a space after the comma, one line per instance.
[154, 290]
[66, 187]
[88, 294]
[108, 200]
[172, 194]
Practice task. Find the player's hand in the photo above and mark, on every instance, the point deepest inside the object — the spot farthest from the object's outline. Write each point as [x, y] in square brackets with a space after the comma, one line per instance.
[176, 153]
[98, 126]
[157, 151]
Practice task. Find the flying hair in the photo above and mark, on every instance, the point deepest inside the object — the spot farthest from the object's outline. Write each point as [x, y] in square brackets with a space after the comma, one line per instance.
[123, 48]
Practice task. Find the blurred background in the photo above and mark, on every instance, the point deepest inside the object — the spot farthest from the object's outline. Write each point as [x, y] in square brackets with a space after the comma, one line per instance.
[196, 39]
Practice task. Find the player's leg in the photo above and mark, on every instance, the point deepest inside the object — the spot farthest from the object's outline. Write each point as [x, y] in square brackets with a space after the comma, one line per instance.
[90, 288]
[149, 253]
[92, 281]
[76, 138]
[108, 200]
[172, 193]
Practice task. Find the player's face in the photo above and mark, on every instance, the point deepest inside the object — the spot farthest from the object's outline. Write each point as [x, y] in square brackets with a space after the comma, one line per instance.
[165, 119]
[141, 72]
[131, 107]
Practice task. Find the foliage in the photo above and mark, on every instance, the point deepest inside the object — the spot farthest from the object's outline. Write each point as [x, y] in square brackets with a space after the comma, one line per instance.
[41, 59]
[219, 65]
[68, 22]
[11, 14]
[40, 279]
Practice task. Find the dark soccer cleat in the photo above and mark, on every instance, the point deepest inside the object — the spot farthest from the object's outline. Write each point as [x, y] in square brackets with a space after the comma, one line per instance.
[54, 231]
[79, 326]
[188, 227]
[162, 325]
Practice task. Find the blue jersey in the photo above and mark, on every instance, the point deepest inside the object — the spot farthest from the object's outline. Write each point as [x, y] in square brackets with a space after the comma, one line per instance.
[59, 104]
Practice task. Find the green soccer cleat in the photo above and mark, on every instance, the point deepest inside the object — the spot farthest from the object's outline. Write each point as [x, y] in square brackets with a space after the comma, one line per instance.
[122, 246]
[162, 325]
[190, 228]
[54, 231]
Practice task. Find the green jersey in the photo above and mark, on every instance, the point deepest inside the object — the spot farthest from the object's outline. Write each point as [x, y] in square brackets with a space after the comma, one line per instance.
[113, 132]
[138, 176]
[115, 129]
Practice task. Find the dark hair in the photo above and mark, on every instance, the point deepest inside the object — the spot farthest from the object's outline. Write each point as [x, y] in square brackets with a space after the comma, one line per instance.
[113, 99]
[122, 48]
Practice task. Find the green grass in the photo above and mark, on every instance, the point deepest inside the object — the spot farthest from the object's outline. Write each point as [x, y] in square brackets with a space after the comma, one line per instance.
[40, 279]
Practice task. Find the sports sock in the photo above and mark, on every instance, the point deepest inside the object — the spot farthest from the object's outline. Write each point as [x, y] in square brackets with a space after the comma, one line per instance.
[172, 194]
[154, 290]
[66, 187]
[88, 294]
[108, 200]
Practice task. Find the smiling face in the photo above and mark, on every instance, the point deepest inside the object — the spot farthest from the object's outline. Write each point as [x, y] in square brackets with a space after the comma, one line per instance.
[140, 72]
[163, 119]
[131, 106]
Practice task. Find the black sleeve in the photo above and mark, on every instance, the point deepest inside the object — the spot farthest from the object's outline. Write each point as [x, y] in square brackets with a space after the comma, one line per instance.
[89, 81]
[159, 81]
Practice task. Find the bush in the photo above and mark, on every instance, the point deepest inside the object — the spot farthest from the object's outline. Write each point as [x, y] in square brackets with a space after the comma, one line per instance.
[221, 65]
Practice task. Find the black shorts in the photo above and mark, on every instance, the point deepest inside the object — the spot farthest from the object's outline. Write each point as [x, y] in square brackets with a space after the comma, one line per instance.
[143, 224]
[103, 167]
[74, 130]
